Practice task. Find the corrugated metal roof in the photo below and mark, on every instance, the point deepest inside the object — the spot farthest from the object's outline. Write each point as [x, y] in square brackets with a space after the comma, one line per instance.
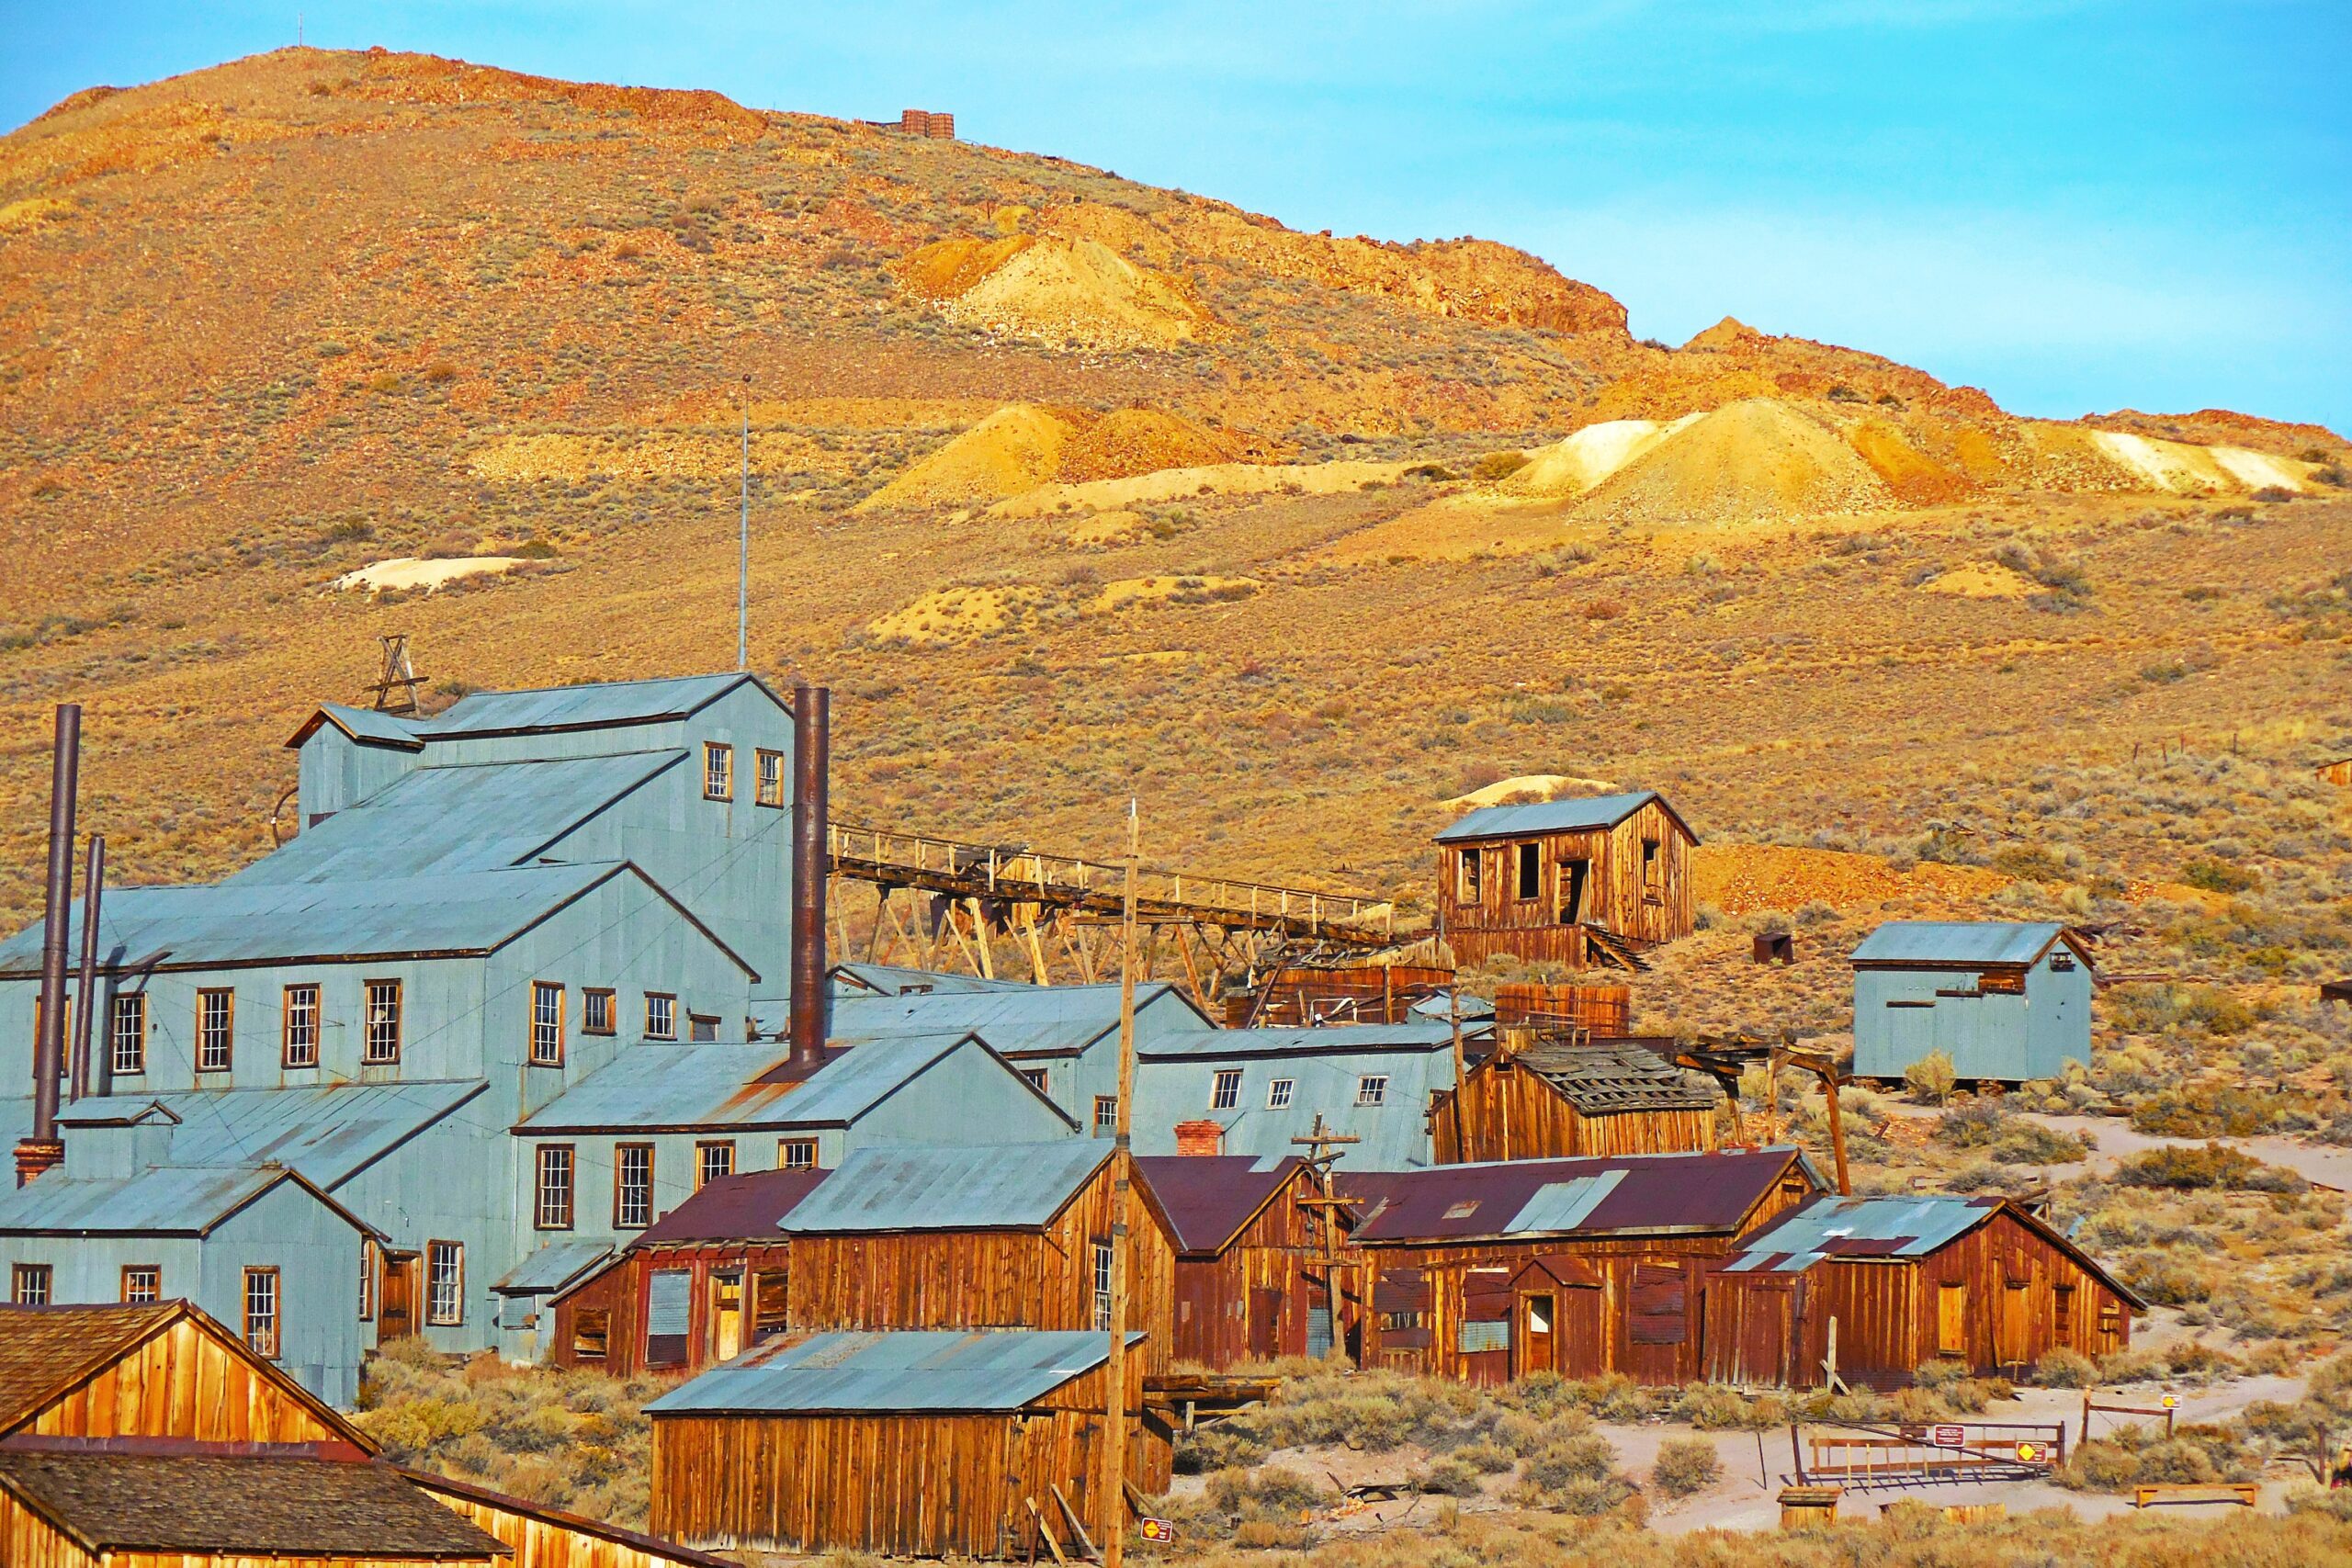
[480, 817]
[1564, 1205]
[1678, 1192]
[1208, 1198]
[1437, 1007]
[1335, 1039]
[169, 1199]
[1547, 817]
[891, 980]
[650, 1087]
[576, 707]
[329, 1133]
[1600, 1080]
[1958, 942]
[552, 1267]
[1018, 1020]
[365, 726]
[748, 1206]
[1902, 1225]
[1008, 1186]
[902, 1369]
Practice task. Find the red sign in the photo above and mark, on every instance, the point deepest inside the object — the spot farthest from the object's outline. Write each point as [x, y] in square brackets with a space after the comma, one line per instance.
[1948, 1437]
[1158, 1530]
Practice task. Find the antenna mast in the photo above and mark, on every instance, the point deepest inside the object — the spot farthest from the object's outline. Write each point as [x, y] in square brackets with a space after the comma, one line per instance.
[1114, 1462]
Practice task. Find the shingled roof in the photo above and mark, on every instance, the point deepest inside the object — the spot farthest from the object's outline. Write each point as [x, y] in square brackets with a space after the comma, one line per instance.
[1601, 1079]
[45, 1351]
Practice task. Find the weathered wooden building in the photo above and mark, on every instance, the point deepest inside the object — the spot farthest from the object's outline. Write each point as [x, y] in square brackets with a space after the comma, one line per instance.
[1543, 1098]
[1256, 1268]
[1266, 1088]
[2006, 1001]
[705, 1283]
[1582, 882]
[1014, 1236]
[1897, 1283]
[921, 1443]
[1583, 1267]
[1304, 996]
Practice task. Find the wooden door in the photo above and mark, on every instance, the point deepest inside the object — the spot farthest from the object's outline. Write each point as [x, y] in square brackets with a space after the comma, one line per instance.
[1265, 1323]
[726, 1316]
[1539, 1334]
[1952, 1318]
[2010, 1328]
[396, 1296]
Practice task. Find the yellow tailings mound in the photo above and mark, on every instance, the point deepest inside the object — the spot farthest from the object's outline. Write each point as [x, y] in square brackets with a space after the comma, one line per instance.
[1525, 786]
[1182, 484]
[1985, 580]
[1740, 879]
[1073, 291]
[1911, 474]
[2184, 470]
[1014, 449]
[1759, 459]
[1137, 441]
[1577, 463]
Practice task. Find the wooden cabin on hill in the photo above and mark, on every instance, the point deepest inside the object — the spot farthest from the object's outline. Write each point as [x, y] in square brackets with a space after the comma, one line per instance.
[702, 1283]
[1587, 884]
[1901, 1281]
[2006, 1001]
[1489, 1273]
[1256, 1268]
[1538, 1098]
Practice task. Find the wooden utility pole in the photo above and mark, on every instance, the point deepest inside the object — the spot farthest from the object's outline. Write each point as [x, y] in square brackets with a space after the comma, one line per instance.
[1114, 1492]
[1454, 1017]
[1827, 1071]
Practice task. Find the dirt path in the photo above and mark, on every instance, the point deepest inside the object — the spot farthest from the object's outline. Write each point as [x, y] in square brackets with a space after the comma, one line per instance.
[2117, 1139]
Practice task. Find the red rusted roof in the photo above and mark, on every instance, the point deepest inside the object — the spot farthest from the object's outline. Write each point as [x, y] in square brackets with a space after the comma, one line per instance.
[744, 1207]
[1209, 1198]
[1707, 1193]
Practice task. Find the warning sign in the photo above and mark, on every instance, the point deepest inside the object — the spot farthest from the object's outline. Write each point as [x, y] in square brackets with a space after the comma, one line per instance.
[2030, 1453]
[1158, 1530]
[1948, 1437]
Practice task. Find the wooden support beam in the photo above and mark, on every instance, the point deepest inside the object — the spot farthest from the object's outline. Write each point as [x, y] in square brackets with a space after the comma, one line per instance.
[979, 938]
[1028, 931]
[1076, 1527]
[1044, 1528]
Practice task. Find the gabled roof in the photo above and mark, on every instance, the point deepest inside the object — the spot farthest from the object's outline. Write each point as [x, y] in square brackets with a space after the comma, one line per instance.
[1330, 1039]
[891, 980]
[748, 1206]
[365, 726]
[1600, 1080]
[600, 706]
[1963, 943]
[1001, 1187]
[329, 1132]
[1555, 816]
[1019, 1020]
[1906, 1226]
[1211, 1199]
[240, 1506]
[930, 1370]
[1706, 1194]
[167, 1200]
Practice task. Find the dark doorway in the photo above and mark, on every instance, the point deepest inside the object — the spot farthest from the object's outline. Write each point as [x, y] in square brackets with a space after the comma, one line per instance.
[1265, 1323]
[1573, 874]
[1542, 1352]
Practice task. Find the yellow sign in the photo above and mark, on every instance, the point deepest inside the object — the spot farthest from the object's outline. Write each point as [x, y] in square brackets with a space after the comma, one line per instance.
[1158, 1530]
[2030, 1453]
[2171, 1402]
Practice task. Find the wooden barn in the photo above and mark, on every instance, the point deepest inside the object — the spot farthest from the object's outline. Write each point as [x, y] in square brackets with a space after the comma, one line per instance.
[1581, 883]
[1900, 1282]
[147, 1435]
[1579, 1267]
[702, 1283]
[1255, 1266]
[1537, 1099]
[927, 1443]
[1013, 1237]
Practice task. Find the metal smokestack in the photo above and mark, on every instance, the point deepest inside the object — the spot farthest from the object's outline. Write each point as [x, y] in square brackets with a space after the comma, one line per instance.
[94, 883]
[40, 1151]
[811, 765]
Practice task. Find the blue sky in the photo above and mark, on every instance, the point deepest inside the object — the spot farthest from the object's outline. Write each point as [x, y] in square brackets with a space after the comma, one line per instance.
[2076, 206]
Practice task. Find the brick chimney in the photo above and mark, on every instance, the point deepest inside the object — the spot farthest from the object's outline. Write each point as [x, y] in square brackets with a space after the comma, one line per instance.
[1202, 1137]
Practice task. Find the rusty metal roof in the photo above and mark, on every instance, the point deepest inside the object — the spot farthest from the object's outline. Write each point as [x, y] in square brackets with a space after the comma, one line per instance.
[748, 1206]
[328, 1132]
[1209, 1198]
[925, 1370]
[1601, 1079]
[1638, 1194]
[1553, 816]
[902, 1188]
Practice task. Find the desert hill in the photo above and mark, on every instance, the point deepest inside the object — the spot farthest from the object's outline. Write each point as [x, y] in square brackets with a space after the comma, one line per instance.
[1071, 485]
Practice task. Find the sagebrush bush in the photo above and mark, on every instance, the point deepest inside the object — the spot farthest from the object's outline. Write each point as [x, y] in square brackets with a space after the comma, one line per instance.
[1685, 1466]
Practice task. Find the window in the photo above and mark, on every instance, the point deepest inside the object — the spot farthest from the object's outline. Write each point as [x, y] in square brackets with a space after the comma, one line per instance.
[1530, 871]
[299, 1026]
[261, 1311]
[1106, 1115]
[141, 1283]
[660, 1016]
[1477, 1335]
[2064, 1310]
[770, 781]
[445, 1283]
[702, 1028]
[770, 1298]
[1102, 1284]
[1038, 1078]
[668, 1314]
[28, 1282]
[546, 1023]
[215, 1017]
[1649, 860]
[128, 1036]
[382, 1043]
[712, 1160]
[1463, 1210]
[1372, 1089]
[1465, 876]
[633, 1186]
[1278, 1094]
[555, 1187]
[717, 770]
[64, 1057]
[595, 1011]
[1226, 1092]
[592, 1331]
[796, 1154]
[367, 1278]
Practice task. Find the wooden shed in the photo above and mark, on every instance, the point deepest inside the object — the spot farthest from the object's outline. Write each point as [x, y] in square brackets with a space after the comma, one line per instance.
[1579, 1267]
[1013, 1236]
[2006, 1001]
[1536, 1099]
[703, 1282]
[925, 1443]
[1255, 1266]
[1582, 882]
[1900, 1282]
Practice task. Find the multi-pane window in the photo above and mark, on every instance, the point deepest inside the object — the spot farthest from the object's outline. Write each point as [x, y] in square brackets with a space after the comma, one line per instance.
[1372, 1089]
[216, 1012]
[770, 781]
[367, 1278]
[702, 1028]
[547, 1024]
[382, 1043]
[299, 1013]
[717, 770]
[29, 1284]
[127, 1036]
[713, 1160]
[796, 1154]
[1102, 1284]
[1226, 1093]
[1106, 1115]
[141, 1283]
[596, 1011]
[1038, 1078]
[261, 1311]
[633, 1186]
[445, 1282]
[660, 1016]
[1278, 1094]
[555, 1187]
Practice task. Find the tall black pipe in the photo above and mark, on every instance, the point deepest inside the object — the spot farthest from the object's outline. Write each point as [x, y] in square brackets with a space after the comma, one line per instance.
[49, 1046]
[811, 764]
[94, 887]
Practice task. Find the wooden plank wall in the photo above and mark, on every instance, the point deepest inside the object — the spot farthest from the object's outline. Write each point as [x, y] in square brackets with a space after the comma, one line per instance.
[1214, 1293]
[621, 1289]
[989, 1279]
[1511, 1112]
[27, 1541]
[542, 1542]
[1617, 897]
[1603, 1010]
[184, 1382]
